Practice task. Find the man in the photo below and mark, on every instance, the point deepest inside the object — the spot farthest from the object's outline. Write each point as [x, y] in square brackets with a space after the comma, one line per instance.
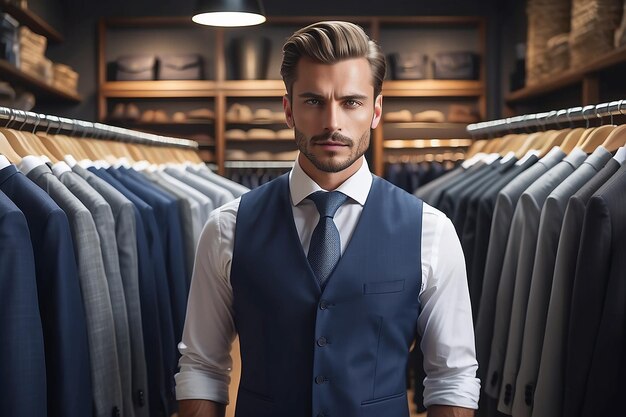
[327, 306]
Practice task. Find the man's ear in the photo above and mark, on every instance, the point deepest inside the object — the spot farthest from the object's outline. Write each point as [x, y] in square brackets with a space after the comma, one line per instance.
[288, 112]
[378, 111]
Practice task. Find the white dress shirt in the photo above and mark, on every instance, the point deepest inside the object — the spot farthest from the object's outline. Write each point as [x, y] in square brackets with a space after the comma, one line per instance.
[445, 319]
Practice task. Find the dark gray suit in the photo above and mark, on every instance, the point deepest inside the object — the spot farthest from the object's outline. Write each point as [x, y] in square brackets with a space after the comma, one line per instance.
[219, 195]
[107, 388]
[500, 226]
[517, 272]
[550, 380]
[541, 281]
[431, 192]
[235, 188]
[105, 225]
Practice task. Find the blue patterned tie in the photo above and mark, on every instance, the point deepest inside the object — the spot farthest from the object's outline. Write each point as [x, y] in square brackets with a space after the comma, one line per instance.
[325, 248]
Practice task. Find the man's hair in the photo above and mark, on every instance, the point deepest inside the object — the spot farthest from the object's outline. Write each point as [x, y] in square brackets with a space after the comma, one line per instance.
[329, 43]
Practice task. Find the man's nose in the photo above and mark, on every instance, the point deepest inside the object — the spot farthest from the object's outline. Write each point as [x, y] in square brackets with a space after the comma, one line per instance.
[331, 117]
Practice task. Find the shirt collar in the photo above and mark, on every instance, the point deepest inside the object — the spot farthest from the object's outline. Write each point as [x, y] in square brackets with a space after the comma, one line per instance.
[357, 187]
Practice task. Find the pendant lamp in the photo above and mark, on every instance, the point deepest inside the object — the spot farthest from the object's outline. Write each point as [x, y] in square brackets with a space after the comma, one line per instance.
[229, 13]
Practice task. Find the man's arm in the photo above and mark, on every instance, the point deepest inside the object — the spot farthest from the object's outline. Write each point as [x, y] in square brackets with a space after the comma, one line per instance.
[201, 408]
[445, 411]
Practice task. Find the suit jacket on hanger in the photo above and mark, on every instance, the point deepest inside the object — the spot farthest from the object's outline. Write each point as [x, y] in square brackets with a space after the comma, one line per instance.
[424, 192]
[477, 228]
[235, 188]
[126, 238]
[158, 270]
[22, 368]
[599, 245]
[107, 388]
[68, 373]
[550, 380]
[105, 226]
[498, 237]
[541, 281]
[605, 384]
[219, 195]
[517, 273]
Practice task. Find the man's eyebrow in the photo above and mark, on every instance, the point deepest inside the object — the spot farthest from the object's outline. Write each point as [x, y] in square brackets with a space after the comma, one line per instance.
[350, 96]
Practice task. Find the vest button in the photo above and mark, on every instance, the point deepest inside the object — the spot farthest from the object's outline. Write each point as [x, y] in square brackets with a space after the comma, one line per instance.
[321, 342]
[323, 305]
[320, 379]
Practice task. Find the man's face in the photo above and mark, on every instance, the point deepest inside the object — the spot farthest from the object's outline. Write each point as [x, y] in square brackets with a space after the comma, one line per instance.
[332, 109]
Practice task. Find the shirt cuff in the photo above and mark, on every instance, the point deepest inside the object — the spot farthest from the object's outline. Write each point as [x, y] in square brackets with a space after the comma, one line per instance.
[194, 385]
[457, 392]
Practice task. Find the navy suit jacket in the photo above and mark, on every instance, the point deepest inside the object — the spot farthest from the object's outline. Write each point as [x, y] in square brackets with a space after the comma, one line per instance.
[152, 273]
[22, 368]
[60, 303]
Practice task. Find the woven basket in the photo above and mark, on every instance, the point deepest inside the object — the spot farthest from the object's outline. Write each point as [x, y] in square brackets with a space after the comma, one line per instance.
[593, 29]
[546, 19]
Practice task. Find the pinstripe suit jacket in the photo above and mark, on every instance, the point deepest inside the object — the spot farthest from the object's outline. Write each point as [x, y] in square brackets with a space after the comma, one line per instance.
[548, 397]
[126, 238]
[106, 384]
[68, 373]
[22, 368]
[541, 280]
[105, 226]
[498, 237]
[517, 272]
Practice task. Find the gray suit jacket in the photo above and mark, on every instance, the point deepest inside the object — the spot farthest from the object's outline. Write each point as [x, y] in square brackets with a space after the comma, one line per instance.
[541, 281]
[234, 187]
[107, 388]
[550, 380]
[105, 225]
[126, 237]
[206, 205]
[218, 194]
[517, 273]
[498, 236]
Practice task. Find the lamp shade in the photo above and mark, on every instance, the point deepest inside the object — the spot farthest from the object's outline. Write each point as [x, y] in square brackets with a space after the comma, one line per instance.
[229, 13]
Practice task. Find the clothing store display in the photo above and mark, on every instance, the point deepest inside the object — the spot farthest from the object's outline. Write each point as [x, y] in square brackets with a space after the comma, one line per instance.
[459, 113]
[456, 66]
[135, 68]
[408, 66]
[202, 113]
[398, 116]
[285, 134]
[235, 134]
[262, 134]
[239, 113]
[9, 39]
[429, 116]
[180, 67]
[179, 117]
[250, 57]
[409, 176]
[263, 116]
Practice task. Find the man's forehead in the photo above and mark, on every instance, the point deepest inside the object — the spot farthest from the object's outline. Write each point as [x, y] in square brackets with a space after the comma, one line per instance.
[354, 72]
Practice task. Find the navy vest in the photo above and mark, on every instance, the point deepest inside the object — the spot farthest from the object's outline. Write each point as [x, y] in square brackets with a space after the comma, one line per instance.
[342, 352]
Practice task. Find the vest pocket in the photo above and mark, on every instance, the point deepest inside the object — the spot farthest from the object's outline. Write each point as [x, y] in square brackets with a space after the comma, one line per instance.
[385, 398]
[252, 394]
[383, 287]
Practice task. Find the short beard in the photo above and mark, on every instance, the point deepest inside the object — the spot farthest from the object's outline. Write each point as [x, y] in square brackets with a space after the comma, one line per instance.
[331, 166]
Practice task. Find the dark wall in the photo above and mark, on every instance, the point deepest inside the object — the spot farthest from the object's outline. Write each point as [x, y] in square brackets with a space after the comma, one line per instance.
[77, 20]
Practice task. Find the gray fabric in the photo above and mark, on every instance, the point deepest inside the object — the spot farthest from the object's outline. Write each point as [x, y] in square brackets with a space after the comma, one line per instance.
[550, 380]
[126, 237]
[189, 210]
[234, 187]
[206, 205]
[219, 195]
[105, 226]
[541, 281]
[107, 388]
[425, 190]
[516, 275]
[498, 237]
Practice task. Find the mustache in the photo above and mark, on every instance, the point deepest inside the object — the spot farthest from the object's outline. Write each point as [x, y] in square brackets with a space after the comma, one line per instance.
[335, 137]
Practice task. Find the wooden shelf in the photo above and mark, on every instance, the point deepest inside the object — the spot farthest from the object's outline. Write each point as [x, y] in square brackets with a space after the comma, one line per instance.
[443, 130]
[433, 88]
[33, 21]
[253, 88]
[568, 78]
[43, 91]
[159, 89]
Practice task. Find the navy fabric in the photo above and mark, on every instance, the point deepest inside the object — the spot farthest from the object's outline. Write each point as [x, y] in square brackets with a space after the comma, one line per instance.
[60, 301]
[23, 369]
[338, 351]
[152, 272]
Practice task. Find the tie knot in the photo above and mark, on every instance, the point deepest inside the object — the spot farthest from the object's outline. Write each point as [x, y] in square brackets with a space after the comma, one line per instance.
[328, 203]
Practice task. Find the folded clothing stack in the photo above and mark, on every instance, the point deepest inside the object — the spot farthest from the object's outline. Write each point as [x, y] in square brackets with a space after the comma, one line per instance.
[64, 77]
[32, 60]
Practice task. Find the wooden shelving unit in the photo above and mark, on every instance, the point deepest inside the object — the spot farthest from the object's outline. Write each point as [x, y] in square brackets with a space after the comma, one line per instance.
[587, 78]
[33, 21]
[43, 91]
[221, 89]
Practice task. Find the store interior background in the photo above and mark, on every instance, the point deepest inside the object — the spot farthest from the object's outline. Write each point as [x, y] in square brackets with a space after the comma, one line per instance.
[77, 20]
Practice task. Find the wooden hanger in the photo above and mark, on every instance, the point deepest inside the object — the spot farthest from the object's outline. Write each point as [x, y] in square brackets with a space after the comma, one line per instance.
[554, 140]
[476, 147]
[7, 150]
[596, 138]
[616, 139]
[571, 139]
[532, 141]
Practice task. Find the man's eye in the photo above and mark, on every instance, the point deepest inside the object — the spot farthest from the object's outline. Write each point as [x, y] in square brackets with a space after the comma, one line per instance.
[313, 102]
[353, 103]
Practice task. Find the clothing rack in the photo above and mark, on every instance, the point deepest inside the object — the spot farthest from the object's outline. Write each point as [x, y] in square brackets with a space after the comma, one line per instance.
[81, 128]
[554, 117]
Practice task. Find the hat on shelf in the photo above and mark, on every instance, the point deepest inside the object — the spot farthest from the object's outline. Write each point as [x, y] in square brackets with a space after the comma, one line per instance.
[202, 113]
[179, 116]
[239, 113]
[462, 113]
[160, 116]
[261, 134]
[235, 134]
[431, 116]
[147, 116]
[263, 116]
[285, 134]
[398, 116]
[279, 116]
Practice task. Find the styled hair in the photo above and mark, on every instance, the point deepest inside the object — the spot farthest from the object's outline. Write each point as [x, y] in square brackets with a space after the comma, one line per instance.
[328, 43]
